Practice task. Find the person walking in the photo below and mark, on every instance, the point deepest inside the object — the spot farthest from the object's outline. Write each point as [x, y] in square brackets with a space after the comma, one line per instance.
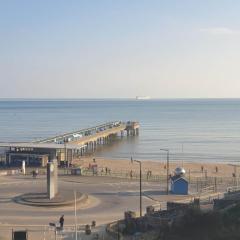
[61, 221]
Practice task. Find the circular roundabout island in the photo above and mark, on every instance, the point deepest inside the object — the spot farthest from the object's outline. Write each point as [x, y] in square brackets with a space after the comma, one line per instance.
[63, 199]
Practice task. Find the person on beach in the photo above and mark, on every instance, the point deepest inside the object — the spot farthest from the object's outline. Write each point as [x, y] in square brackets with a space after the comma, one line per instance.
[202, 169]
[147, 174]
[61, 221]
[131, 174]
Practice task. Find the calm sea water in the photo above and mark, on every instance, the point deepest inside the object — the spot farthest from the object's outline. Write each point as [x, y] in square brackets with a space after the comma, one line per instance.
[193, 130]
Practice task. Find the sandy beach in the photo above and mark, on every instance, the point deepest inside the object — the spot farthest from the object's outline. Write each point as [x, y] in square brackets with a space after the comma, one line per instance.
[159, 168]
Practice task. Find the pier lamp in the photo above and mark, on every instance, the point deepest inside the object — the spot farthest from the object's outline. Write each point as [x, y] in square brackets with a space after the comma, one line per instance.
[167, 151]
[140, 182]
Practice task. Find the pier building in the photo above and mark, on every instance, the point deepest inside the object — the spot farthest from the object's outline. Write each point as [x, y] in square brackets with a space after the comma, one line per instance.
[64, 147]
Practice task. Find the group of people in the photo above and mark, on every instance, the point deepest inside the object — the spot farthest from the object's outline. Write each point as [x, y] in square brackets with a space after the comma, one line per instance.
[149, 174]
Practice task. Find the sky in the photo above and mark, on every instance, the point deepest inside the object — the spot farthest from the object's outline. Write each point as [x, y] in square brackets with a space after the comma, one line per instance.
[120, 49]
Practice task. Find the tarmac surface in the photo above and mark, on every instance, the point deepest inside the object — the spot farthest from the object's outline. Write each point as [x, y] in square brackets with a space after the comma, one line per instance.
[108, 199]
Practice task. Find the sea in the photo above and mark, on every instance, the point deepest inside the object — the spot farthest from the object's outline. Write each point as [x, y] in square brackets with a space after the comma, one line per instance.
[194, 130]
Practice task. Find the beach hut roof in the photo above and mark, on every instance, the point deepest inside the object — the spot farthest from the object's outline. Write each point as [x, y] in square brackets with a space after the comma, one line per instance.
[176, 178]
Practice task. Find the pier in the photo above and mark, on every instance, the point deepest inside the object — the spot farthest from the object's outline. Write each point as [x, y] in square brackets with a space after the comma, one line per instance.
[64, 147]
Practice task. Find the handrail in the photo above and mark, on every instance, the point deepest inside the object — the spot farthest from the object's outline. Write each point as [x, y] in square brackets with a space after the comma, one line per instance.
[79, 131]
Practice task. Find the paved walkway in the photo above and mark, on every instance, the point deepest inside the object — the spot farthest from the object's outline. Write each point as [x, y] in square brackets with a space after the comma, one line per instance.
[110, 198]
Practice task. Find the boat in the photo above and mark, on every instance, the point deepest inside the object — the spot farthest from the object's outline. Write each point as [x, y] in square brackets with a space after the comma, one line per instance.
[142, 97]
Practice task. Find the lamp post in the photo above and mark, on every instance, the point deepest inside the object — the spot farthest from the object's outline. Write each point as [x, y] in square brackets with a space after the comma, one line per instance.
[75, 214]
[167, 150]
[65, 153]
[140, 183]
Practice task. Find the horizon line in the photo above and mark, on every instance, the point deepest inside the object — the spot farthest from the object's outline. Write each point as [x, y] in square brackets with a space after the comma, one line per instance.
[117, 98]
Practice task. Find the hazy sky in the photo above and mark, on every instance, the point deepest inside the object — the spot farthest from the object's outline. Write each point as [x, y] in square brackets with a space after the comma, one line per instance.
[119, 48]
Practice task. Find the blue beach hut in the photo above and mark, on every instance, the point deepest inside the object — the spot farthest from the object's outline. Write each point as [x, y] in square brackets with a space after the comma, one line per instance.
[179, 185]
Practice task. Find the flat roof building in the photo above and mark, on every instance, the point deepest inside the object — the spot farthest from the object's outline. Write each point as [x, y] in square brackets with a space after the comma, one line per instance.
[37, 154]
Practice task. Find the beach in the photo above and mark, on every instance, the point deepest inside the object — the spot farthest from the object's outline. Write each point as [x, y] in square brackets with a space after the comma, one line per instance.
[196, 169]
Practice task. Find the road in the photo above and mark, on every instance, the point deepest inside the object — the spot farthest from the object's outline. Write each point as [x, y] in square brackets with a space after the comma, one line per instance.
[109, 199]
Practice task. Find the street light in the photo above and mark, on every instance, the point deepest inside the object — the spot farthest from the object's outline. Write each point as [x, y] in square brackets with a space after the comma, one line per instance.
[65, 153]
[75, 214]
[140, 183]
[167, 150]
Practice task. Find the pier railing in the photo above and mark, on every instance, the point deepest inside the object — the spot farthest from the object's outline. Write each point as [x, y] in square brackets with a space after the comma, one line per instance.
[83, 132]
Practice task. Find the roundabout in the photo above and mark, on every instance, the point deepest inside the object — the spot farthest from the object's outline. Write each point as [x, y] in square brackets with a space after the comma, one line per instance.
[63, 199]
[23, 201]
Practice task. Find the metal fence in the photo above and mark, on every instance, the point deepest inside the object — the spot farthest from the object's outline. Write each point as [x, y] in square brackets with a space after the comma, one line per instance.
[196, 184]
[46, 232]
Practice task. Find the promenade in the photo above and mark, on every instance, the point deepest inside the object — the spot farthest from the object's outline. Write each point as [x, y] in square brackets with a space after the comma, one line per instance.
[109, 198]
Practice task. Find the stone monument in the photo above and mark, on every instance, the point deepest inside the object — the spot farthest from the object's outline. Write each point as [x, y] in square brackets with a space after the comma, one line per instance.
[52, 179]
[51, 198]
[23, 168]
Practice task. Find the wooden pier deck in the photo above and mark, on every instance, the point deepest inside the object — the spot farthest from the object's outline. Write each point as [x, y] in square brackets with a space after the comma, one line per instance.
[87, 140]
[85, 136]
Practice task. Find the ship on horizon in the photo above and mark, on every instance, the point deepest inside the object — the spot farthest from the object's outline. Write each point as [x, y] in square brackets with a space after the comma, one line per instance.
[142, 98]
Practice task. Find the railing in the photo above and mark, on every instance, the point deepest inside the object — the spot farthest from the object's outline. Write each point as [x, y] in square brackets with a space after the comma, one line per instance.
[82, 132]
[46, 232]
[209, 189]
[196, 185]
[113, 230]
[233, 189]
